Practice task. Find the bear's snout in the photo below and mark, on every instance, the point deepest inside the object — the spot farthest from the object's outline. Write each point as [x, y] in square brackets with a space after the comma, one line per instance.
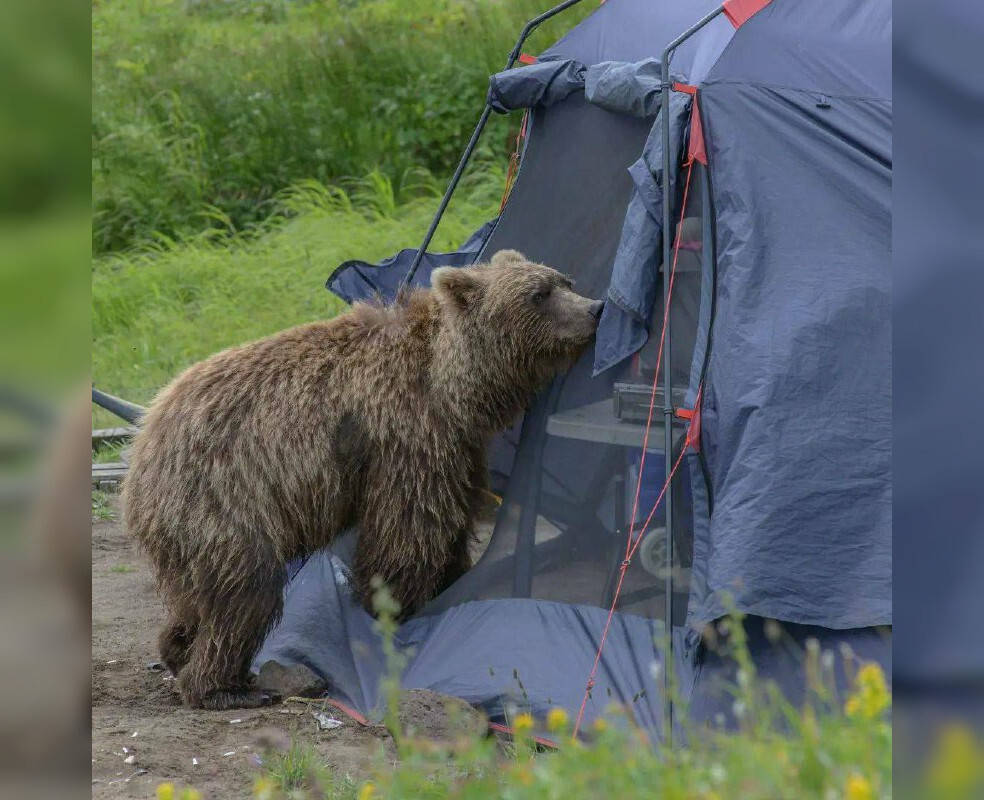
[596, 308]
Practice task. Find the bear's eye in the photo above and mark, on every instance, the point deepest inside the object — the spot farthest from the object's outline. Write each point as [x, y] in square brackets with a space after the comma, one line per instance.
[540, 296]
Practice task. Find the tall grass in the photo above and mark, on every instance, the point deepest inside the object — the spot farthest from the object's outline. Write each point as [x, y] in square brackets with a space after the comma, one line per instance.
[203, 110]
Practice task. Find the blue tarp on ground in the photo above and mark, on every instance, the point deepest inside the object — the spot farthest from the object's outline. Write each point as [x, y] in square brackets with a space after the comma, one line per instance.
[521, 654]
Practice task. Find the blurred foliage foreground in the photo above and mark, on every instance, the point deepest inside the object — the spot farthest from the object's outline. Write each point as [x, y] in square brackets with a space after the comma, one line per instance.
[832, 748]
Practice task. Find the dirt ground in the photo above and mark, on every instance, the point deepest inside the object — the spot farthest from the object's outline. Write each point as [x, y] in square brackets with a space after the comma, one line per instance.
[141, 734]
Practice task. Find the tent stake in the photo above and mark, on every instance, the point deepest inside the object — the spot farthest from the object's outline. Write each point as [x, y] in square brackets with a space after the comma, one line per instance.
[667, 367]
[530, 26]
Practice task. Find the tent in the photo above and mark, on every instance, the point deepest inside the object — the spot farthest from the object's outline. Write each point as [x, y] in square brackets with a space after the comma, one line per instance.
[768, 148]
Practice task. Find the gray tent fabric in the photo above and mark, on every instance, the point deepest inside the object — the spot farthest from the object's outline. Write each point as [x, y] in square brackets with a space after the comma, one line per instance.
[617, 86]
[521, 653]
[625, 88]
[359, 280]
[637, 30]
[542, 84]
[326, 630]
[797, 426]
[779, 661]
[631, 297]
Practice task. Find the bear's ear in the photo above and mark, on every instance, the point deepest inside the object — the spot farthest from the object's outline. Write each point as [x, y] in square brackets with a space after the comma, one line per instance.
[504, 257]
[459, 287]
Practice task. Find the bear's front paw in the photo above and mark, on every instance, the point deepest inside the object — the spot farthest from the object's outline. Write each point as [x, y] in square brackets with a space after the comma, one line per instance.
[222, 699]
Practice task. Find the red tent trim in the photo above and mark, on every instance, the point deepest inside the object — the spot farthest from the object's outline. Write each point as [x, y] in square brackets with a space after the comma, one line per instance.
[740, 11]
[697, 151]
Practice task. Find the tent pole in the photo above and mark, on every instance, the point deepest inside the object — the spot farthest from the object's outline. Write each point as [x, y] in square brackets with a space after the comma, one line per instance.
[668, 234]
[530, 26]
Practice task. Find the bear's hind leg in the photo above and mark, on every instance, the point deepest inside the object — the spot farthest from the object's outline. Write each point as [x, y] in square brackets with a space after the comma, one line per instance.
[175, 641]
[235, 620]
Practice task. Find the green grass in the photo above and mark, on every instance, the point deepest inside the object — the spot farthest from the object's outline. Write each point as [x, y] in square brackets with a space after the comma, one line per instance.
[300, 772]
[157, 311]
[108, 453]
[294, 768]
[829, 759]
[121, 569]
[203, 110]
[100, 506]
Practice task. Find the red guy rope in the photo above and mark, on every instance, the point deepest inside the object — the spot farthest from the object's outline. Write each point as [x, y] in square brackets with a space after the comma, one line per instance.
[633, 541]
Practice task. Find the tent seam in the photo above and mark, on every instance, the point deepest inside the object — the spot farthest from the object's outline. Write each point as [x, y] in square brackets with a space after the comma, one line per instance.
[785, 87]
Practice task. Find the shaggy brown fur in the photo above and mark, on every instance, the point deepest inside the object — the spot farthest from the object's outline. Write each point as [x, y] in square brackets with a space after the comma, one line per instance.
[377, 418]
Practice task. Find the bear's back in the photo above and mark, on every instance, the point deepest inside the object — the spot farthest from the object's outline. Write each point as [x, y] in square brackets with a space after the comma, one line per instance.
[372, 361]
[264, 418]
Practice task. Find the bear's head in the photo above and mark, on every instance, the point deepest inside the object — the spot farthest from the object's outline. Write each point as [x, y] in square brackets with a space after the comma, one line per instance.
[521, 322]
[526, 307]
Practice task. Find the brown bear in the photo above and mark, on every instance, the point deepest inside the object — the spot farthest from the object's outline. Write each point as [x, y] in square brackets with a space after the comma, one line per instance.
[378, 418]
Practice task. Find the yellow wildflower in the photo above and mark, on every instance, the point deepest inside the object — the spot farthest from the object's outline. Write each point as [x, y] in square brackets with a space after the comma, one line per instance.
[600, 725]
[264, 788]
[957, 766]
[524, 775]
[858, 788]
[870, 676]
[367, 791]
[871, 695]
[165, 791]
[523, 723]
[557, 719]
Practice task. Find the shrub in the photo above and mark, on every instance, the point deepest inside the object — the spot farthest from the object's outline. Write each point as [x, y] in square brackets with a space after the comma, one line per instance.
[203, 111]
